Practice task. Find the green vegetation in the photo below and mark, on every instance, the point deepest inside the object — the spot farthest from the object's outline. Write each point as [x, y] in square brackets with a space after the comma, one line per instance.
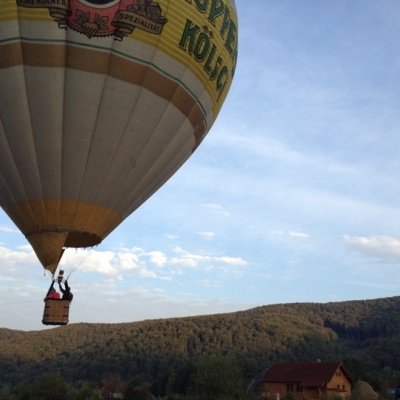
[173, 358]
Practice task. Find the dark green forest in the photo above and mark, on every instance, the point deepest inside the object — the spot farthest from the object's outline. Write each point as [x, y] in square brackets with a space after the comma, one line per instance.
[169, 357]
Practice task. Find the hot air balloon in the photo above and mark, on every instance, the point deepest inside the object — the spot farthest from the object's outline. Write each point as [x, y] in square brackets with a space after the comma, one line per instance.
[101, 102]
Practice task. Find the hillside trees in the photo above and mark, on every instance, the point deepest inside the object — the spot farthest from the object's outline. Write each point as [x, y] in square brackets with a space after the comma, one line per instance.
[217, 378]
[136, 390]
[164, 352]
[6, 393]
[50, 386]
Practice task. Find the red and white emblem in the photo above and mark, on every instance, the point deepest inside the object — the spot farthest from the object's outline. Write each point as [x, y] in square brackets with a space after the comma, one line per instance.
[97, 18]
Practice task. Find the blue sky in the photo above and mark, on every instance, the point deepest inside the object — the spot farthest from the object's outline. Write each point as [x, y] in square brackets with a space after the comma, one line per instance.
[292, 197]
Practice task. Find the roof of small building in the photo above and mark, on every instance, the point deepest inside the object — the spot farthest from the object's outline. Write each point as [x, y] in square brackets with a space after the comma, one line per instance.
[308, 374]
[113, 386]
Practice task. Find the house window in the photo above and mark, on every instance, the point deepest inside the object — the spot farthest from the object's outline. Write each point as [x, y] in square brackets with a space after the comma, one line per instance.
[298, 388]
[338, 373]
[289, 387]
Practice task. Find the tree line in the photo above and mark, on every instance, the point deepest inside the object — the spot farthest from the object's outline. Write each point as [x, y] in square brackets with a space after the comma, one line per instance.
[163, 355]
[212, 378]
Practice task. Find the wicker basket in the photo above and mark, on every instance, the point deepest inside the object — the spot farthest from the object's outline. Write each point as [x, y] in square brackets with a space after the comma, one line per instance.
[55, 312]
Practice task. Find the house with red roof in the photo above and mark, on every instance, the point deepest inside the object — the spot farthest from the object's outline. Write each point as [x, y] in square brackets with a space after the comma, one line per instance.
[112, 388]
[304, 380]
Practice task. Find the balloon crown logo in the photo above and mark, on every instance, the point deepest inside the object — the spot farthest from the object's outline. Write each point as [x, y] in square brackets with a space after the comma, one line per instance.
[99, 18]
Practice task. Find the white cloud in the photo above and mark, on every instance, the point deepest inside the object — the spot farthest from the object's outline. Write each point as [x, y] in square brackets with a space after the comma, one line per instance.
[18, 258]
[206, 235]
[171, 236]
[232, 261]
[186, 259]
[127, 260]
[381, 247]
[291, 233]
[101, 262]
[158, 258]
[8, 229]
[299, 235]
[217, 208]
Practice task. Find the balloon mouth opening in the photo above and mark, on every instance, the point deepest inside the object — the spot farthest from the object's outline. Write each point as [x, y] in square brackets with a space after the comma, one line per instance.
[82, 239]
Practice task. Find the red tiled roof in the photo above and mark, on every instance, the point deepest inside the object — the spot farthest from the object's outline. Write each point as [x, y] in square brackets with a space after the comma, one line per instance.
[314, 374]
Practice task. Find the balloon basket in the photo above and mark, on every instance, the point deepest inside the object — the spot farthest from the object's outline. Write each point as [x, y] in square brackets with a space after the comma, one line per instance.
[55, 312]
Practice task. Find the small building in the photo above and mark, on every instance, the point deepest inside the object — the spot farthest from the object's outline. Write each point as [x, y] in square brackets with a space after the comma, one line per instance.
[304, 381]
[112, 389]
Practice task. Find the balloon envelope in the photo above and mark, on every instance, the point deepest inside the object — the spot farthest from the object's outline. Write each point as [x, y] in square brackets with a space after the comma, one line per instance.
[101, 102]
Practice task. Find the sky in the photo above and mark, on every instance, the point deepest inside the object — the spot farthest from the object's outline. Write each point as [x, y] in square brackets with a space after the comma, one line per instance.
[294, 195]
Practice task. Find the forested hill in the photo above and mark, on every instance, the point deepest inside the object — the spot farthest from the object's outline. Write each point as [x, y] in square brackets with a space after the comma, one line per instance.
[367, 332]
